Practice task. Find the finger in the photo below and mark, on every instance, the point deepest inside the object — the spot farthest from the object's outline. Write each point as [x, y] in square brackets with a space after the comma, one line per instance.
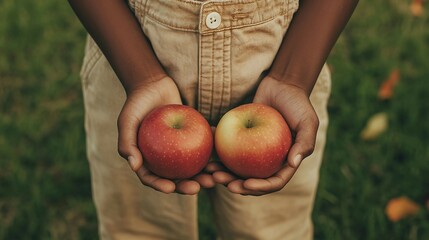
[223, 177]
[267, 185]
[271, 184]
[128, 124]
[205, 180]
[237, 187]
[155, 182]
[214, 167]
[187, 187]
[305, 141]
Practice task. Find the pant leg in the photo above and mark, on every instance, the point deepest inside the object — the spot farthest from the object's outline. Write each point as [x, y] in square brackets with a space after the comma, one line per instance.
[286, 214]
[126, 209]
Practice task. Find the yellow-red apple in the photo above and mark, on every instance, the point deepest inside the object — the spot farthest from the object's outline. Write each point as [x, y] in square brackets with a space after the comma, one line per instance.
[176, 141]
[253, 140]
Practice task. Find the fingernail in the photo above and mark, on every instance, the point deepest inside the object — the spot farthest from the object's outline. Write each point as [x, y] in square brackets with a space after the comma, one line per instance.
[297, 160]
[132, 161]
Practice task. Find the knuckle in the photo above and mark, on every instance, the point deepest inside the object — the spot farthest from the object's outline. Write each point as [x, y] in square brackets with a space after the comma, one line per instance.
[120, 120]
[314, 121]
[280, 187]
[309, 149]
[123, 150]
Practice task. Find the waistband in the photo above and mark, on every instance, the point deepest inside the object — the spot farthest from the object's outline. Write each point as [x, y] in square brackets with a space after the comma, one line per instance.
[191, 15]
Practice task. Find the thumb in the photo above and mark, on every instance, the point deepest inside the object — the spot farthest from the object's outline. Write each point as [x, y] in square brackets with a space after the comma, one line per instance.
[128, 125]
[305, 141]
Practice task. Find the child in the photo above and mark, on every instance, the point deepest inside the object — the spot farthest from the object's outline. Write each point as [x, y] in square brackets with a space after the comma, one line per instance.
[211, 55]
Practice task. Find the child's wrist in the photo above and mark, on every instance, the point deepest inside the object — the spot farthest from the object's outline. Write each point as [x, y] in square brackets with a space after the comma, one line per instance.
[301, 82]
[131, 85]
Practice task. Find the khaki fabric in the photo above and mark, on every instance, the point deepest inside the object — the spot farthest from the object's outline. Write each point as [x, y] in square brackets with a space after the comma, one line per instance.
[215, 70]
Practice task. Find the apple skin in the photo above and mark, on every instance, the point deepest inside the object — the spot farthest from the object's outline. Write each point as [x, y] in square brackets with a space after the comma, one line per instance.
[176, 141]
[253, 140]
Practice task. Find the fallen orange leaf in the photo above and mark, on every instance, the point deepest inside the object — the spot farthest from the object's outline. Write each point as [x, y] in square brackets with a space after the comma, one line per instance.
[416, 8]
[386, 89]
[401, 207]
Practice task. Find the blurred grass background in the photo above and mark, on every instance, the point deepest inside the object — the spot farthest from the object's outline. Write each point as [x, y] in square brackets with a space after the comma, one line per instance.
[45, 188]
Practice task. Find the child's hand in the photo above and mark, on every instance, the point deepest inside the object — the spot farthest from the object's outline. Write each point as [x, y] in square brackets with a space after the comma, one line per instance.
[294, 104]
[139, 103]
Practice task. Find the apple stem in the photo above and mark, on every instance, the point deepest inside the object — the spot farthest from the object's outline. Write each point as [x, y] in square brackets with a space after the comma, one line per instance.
[249, 123]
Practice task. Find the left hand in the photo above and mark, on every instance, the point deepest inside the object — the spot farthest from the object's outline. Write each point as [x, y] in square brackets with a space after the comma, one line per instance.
[140, 101]
[295, 106]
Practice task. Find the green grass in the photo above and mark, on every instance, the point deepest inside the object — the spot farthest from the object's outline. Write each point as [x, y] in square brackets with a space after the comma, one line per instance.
[358, 178]
[45, 188]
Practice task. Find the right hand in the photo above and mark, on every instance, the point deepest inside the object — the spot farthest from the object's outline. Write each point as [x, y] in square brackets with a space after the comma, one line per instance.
[140, 101]
[295, 106]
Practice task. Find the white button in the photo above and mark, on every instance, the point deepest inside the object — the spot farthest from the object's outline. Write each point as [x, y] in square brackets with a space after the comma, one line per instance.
[213, 20]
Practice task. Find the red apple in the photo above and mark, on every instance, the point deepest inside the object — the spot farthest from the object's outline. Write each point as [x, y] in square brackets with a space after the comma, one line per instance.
[176, 141]
[253, 140]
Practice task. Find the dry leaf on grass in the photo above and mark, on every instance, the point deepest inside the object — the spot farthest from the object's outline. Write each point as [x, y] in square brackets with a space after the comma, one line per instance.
[401, 207]
[386, 89]
[416, 8]
[375, 126]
